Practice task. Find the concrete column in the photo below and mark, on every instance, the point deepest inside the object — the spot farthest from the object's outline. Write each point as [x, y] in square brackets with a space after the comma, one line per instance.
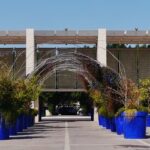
[30, 61]
[101, 56]
[37, 106]
[30, 51]
[101, 47]
[95, 114]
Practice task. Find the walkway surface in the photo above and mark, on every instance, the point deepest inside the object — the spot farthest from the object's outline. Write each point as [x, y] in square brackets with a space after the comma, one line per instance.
[71, 135]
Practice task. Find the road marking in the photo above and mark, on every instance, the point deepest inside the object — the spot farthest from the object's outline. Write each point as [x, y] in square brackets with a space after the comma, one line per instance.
[67, 142]
[143, 142]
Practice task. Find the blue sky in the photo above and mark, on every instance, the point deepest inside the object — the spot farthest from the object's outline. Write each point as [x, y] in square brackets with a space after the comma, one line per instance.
[74, 14]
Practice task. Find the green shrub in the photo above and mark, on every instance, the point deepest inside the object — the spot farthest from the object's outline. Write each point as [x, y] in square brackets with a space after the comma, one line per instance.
[16, 95]
[103, 111]
[121, 110]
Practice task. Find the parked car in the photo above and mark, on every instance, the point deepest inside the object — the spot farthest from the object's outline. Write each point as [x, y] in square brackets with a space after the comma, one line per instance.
[67, 110]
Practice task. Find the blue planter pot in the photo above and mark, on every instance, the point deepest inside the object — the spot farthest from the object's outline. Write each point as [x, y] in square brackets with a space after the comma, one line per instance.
[4, 130]
[148, 120]
[19, 124]
[32, 120]
[12, 129]
[29, 121]
[119, 124]
[100, 120]
[135, 126]
[104, 121]
[25, 122]
[107, 123]
[112, 125]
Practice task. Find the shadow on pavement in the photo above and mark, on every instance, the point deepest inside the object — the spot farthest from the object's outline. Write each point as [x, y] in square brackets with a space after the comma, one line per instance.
[26, 137]
[40, 128]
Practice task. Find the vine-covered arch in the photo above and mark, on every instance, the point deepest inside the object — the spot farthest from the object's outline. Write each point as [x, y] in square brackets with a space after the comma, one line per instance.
[94, 74]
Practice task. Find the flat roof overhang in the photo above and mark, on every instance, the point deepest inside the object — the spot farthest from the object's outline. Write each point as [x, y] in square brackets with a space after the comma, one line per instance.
[13, 37]
[76, 37]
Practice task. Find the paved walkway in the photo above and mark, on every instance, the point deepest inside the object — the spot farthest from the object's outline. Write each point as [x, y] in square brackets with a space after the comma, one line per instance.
[71, 135]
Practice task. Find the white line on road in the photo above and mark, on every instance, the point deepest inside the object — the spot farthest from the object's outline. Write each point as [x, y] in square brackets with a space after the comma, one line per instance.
[67, 142]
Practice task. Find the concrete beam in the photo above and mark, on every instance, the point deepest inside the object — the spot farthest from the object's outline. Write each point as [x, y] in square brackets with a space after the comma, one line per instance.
[76, 36]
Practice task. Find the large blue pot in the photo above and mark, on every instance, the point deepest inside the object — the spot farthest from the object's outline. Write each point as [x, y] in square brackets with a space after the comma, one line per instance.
[135, 126]
[108, 123]
[104, 121]
[112, 125]
[30, 120]
[100, 120]
[19, 124]
[25, 121]
[119, 124]
[148, 120]
[4, 130]
[12, 129]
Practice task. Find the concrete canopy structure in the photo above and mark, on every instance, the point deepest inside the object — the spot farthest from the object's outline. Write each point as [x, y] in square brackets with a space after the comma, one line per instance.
[76, 37]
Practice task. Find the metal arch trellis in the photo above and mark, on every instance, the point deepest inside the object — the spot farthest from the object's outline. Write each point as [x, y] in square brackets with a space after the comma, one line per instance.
[21, 65]
[91, 70]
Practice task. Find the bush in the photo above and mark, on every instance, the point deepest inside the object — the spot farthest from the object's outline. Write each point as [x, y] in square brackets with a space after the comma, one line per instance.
[120, 110]
[144, 88]
[8, 103]
[27, 90]
[16, 95]
[103, 111]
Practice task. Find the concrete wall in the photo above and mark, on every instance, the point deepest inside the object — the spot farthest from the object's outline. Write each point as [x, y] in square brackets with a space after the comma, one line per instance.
[134, 69]
[135, 61]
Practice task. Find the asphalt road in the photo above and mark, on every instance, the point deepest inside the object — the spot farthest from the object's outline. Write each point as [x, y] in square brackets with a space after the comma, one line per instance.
[59, 134]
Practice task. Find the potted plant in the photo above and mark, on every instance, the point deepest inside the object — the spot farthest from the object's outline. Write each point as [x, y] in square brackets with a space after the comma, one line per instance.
[109, 107]
[134, 114]
[105, 104]
[15, 101]
[33, 113]
[119, 121]
[100, 103]
[144, 87]
[27, 90]
[8, 111]
[33, 92]
[103, 120]
[97, 99]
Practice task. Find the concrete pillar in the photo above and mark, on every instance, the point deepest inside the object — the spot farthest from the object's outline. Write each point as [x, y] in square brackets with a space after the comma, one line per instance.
[37, 106]
[30, 51]
[101, 56]
[30, 60]
[95, 114]
[101, 47]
